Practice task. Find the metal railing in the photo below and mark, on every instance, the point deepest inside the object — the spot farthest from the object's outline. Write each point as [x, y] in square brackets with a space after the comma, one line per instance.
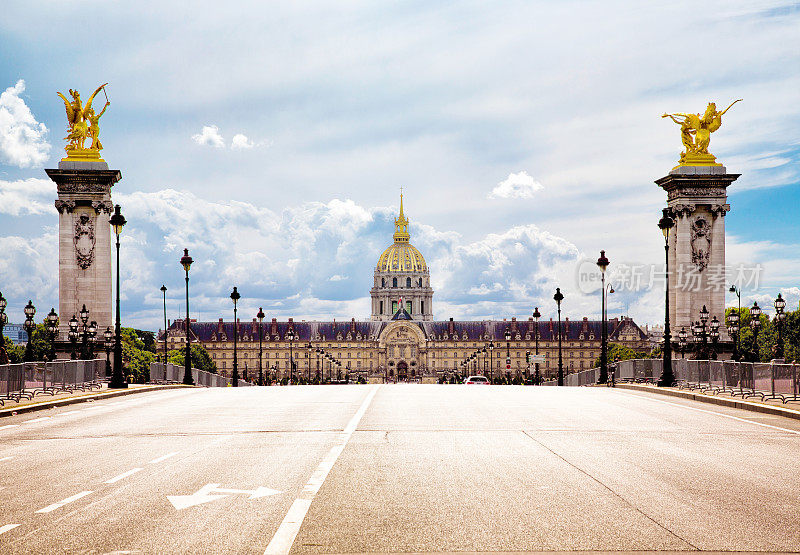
[171, 373]
[767, 380]
[28, 379]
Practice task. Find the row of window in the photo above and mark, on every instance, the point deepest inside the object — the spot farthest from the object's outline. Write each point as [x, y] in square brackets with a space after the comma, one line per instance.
[395, 282]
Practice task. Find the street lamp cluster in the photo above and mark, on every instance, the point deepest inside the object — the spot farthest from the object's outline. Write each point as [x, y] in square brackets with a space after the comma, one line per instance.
[734, 326]
[332, 361]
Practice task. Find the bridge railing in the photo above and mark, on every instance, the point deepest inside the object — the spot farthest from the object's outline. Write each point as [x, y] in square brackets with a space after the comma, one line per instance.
[767, 380]
[28, 379]
[171, 373]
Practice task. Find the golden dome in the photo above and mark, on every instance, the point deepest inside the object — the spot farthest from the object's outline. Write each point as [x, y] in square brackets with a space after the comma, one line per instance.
[402, 256]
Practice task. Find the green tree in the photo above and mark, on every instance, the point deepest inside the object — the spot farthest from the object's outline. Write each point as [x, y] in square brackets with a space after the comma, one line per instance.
[135, 357]
[200, 358]
[148, 339]
[14, 352]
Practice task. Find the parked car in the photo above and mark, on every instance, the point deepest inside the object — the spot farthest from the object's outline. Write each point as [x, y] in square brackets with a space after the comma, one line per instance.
[477, 380]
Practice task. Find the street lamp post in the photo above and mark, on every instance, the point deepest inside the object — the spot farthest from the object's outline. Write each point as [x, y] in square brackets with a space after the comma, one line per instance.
[186, 262]
[714, 326]
[117, 221]
[558, 297]
[665, 224]
[780, 315]
[84, 316]
[682, 336]
[603, 263]
[108, 344]
[755, 323]
[491, 361]
[290, 336]
[260, 317]
[704, 332]
[72, 335]
[507, 336]
[310, 348]
[536, 316]
[733, 321]
[164, 293]
[29, 326]
[51, 325]
[3, 322]
[235, 296]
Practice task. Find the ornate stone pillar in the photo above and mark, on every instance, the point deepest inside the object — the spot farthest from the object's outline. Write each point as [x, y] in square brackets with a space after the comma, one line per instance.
[698, 198]
[84, 242]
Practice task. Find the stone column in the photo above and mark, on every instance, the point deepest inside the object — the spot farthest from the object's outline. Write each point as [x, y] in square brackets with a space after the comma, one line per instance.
[698, 198]
[84, 243]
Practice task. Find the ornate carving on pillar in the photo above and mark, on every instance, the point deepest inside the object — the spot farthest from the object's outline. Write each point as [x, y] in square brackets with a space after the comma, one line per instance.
[65, 205]
[701, 243]
[683, 210]
[103, 206]
[84, 241]
[719, 210]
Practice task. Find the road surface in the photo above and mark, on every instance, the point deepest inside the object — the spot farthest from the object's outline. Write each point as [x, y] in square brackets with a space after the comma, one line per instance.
[422, 468]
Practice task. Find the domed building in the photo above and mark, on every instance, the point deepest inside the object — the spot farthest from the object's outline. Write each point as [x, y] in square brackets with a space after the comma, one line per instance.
[401, 274]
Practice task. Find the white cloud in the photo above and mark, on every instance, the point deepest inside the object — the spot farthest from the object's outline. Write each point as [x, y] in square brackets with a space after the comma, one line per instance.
[29, 196]
[209, 136]
[22, 138]
[241, 142]
[516, 185]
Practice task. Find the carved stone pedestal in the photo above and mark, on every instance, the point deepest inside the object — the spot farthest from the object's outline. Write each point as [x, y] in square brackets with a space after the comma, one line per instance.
[698, 199]
[84, 244]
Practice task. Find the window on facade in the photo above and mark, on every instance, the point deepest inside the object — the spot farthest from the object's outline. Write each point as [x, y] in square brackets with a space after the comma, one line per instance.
[381, 310]
[394, 307]
[408, 307]
[420, 282]
[422, 307]
[383, 282]
[408, 282]
[394, 282]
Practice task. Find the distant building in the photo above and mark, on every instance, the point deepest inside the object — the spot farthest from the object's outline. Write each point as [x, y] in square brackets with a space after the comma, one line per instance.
[401, 340]
[16, 333]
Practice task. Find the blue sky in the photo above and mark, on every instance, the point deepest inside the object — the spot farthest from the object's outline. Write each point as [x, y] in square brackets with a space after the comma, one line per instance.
[272, 140]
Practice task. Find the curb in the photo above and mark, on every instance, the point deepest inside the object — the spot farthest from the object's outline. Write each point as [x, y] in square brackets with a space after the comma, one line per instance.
[722, 401]
[13, 411]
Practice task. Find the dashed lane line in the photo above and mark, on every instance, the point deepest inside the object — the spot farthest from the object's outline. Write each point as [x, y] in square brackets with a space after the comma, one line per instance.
[40, 419]
[7, 527]
[8, 426]
[284, 538]
[68, 500]
[122, 476]
[6, 458]
[163, 457]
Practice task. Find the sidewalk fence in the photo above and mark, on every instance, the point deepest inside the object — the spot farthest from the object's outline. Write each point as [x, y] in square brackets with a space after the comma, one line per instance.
[171, 373]
[28, 379]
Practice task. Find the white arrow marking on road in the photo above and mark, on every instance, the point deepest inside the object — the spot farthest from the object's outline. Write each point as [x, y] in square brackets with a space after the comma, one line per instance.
[63, 502]
[7, 527]
[212, 492]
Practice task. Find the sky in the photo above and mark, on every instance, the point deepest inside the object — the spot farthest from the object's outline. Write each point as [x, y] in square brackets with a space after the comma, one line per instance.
[272, 141]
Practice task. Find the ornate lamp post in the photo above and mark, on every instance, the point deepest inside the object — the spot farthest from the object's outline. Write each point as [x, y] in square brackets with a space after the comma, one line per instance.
[108, 344]
[92, 331]
[755, 324]
[29, 325]
[733, 321]
[260, 317]
[290, 336]
[682, 336]
[164, 293]
[704, 332]
[51, 325]
[117, 221]
[558, 297]
[536, 316]
[310, 348]
[665, 224]
[483, 352]
[714, 326]
[235, 296]
[780, 316]
[72, 335]
[186, 262]
[507, 336]
[603, 263]
[3, 322]
[491, 361]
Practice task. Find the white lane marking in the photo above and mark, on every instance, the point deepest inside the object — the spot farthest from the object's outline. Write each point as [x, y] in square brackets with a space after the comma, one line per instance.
[284, 538]
[6, 458]
[63, 502]
[68, 412]
[206, 494]
[725, 415]
[163, 457]
[8, 426]
[122, 476]
[40, 419]
[7, 527]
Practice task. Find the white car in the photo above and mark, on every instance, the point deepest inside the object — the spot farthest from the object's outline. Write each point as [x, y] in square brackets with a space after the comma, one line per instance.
[477, 380]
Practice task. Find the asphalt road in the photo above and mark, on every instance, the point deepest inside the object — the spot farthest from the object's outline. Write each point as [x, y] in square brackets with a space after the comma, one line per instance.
[411, 468]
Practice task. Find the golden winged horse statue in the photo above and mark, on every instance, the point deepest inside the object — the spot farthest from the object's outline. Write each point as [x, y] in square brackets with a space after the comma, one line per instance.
[83, 124]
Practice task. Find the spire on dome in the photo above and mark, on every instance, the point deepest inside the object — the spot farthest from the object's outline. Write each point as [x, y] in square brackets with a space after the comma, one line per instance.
[401, 234]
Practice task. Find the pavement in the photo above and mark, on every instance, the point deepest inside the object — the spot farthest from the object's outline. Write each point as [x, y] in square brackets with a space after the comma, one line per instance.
[398, 468]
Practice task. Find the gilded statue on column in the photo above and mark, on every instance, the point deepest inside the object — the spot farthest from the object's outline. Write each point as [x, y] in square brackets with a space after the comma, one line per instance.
[84, 123]
[696, 132]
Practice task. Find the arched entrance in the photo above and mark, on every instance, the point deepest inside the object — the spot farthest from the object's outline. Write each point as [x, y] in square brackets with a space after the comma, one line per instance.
[402, 370]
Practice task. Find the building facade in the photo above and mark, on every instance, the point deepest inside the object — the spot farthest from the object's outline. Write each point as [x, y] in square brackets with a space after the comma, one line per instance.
[401, 340]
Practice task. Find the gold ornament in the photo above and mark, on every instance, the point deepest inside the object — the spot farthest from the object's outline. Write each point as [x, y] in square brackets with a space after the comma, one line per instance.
[696, 134]
[84, 123]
